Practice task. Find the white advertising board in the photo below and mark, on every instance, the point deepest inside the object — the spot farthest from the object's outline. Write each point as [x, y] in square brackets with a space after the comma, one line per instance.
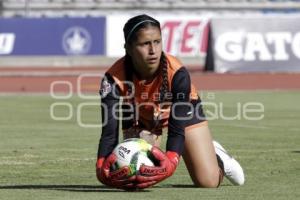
[182, 35]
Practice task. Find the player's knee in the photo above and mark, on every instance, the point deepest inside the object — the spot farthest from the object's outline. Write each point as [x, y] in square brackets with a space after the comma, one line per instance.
[208, 181]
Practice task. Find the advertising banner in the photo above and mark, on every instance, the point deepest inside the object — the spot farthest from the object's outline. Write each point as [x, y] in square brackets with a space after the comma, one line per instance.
[182, 35]
[264, 44]
[52, 36]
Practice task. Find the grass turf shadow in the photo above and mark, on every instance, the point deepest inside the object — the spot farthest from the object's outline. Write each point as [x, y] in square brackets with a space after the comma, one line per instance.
[70, 188]
[85, 188]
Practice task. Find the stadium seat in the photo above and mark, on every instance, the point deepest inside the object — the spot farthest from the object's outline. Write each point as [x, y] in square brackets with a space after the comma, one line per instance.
[96, 7]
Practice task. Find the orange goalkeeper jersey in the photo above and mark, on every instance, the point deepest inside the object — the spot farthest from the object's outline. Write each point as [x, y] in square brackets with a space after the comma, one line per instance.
[183, 108]
[146, 95]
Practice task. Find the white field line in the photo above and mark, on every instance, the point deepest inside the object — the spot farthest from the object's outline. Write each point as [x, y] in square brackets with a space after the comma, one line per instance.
[34, 94]
[13, 162]
[42, 94]
[61, 160]
[69, 160]
[245, 126]
[258, 127]
[48, 74]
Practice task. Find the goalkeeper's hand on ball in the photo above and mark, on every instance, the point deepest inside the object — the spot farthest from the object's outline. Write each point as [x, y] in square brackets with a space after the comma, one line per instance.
[118, 178]
[149, 176]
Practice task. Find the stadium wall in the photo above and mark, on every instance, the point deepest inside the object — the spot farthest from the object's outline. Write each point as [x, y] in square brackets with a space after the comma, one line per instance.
[239, 43]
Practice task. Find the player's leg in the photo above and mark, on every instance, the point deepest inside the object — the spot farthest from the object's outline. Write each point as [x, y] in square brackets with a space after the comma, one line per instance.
[200, 157]
[151, 138]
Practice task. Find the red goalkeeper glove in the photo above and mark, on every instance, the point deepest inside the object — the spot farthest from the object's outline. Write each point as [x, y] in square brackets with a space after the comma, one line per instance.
[118, 178]
[149, 176]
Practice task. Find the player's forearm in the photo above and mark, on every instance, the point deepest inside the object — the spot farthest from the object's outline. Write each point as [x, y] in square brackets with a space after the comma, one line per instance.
[110, 133]
[109, 119]
[176, 126]
[180, 109]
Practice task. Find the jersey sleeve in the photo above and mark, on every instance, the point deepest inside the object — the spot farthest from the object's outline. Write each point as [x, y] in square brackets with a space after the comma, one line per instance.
[109, 94]
[180, 110]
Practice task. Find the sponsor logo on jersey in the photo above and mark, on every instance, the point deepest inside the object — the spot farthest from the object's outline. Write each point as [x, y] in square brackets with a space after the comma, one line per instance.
[189, 113]
[105, 88]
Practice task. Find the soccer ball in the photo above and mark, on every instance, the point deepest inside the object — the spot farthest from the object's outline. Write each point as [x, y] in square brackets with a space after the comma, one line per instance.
[133, 153]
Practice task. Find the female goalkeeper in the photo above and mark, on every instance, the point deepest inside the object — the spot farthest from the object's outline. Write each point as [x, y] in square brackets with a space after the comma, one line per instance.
[157, 92]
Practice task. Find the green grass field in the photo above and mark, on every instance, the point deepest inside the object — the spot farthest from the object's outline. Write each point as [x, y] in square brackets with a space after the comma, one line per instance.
[42, 158]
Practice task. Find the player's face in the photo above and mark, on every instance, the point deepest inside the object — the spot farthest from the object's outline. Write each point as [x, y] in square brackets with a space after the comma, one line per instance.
[146, 51]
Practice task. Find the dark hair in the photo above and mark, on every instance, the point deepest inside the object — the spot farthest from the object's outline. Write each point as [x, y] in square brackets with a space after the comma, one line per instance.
[132, 26]
[136, 23]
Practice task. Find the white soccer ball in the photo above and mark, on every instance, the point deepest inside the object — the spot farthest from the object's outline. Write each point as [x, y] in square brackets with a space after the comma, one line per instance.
[133, 153]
